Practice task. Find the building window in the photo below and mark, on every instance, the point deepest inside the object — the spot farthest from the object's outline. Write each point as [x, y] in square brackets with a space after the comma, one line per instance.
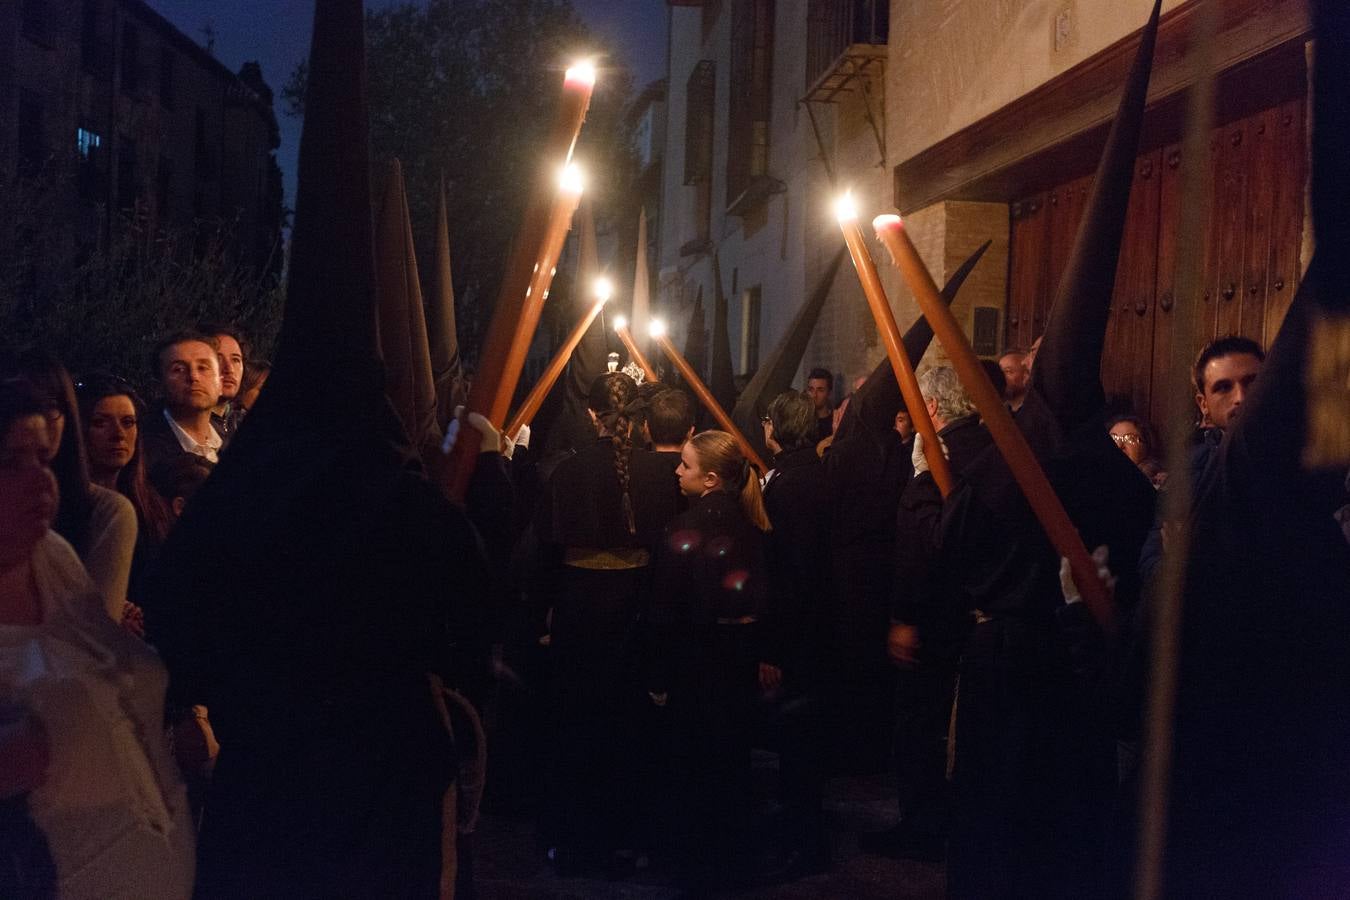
[34, 23]
[700, 96]
[750, 307]
[131, 60]
[751, 94]
[91, 155]
[126, 175]
[166, 65]
[32, 142]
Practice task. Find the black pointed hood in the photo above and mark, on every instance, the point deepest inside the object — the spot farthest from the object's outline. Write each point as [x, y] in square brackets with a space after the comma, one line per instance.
[442, 335]
[876, 402]
[696, 337]
[330, 297]
[1068, 366]
[403, 336]
[777, 370]
[722, 378]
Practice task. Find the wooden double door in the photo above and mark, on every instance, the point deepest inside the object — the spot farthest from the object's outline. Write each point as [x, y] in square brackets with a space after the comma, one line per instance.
[1252, 244]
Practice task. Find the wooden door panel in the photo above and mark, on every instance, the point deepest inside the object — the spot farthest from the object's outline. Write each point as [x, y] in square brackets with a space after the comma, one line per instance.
[1166, 311]
[1286, 219]
[1261, 189]
[1230, 206]
[1026, 263]
[1066, 205]
[1128, 356]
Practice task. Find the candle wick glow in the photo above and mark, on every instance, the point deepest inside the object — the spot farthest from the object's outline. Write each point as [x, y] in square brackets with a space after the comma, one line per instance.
[620, 323]
[572, 181]
[583, 72]
[604, 289]
[657, 328]
[845, 208]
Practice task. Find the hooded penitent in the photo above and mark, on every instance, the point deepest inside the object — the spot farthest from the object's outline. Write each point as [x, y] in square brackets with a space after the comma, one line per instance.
[722, 378]
[642, 289]
[1261, 787]
[876, 402]
[403, 335]
[696, 336]
[316, 578]
[442, 338]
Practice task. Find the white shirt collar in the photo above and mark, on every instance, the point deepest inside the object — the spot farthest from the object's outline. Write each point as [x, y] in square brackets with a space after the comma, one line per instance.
[208, 451]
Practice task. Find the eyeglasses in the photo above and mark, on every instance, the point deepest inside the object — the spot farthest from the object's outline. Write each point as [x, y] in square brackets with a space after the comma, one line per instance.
[764, 420]
[1126, 440]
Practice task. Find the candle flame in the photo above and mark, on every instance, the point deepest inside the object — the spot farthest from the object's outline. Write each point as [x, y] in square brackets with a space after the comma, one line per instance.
[889, 220]
[572, 181]
[604, 289]
[620, 323]
[656, 328]
[582, 72]
[845, 208]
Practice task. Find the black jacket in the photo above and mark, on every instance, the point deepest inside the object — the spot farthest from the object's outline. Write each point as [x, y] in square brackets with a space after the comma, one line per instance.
[797, 499]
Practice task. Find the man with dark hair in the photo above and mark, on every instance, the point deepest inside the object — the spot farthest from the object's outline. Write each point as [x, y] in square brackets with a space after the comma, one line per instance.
[188, 366]
[233, 350]
[797, 501]
[1224, 372]
[669, 421]
[819, 387]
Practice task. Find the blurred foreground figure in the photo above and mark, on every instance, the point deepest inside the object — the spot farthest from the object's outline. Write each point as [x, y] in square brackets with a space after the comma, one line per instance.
[355, 583]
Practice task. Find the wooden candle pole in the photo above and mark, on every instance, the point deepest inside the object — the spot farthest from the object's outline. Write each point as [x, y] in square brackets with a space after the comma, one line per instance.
[535, 399]
[496, 380]
[938, 464]
[621, 329]
[691, 378]
[560, 222]
[1009, 438]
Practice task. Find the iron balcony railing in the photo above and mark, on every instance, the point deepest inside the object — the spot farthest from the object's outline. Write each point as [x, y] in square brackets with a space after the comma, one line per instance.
[832, 26]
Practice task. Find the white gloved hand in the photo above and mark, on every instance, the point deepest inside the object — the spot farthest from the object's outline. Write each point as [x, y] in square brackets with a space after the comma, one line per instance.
[1066, 583]
[920, 458]
[522, 438]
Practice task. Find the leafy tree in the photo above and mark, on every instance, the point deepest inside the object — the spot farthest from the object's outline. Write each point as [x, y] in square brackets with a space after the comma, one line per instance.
[468, 89]
[102, 309]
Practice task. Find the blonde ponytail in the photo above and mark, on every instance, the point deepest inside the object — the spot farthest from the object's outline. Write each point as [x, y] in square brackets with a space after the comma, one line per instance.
[718, 452]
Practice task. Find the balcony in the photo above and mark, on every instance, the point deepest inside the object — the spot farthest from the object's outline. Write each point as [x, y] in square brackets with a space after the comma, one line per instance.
[846, 39]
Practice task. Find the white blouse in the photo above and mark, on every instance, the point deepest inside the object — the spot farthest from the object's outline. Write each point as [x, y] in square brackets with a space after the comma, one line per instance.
[112, 805]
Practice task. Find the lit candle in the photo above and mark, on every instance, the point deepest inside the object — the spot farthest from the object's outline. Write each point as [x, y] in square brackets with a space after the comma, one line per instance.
[658, 332]
[1009, 438]
[846, 211]
[535, 399]
[499, 362]
[621, 329]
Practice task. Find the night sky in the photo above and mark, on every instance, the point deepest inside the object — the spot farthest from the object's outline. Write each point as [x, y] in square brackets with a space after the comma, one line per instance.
[276, 34]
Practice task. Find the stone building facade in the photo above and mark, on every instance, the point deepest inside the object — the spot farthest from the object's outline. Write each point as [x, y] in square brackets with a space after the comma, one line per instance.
[137, 118]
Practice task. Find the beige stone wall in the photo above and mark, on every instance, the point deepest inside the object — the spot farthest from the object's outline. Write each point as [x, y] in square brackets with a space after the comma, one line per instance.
[952, 62]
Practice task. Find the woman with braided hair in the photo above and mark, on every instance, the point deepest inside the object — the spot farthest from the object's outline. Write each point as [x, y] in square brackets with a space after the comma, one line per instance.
[596, 525]
[710, 591]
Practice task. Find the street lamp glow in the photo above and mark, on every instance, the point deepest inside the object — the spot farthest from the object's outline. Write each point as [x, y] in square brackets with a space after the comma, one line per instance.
[888, 220]
[845, 208]
[571, 181]
[604, 289]
[657, 328]
[581, 72]
[620, 323]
